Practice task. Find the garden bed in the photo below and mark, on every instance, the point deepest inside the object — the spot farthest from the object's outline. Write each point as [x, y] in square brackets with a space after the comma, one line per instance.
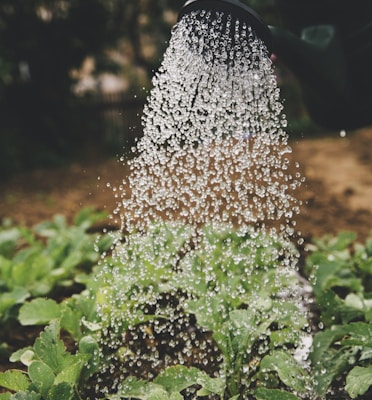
[336, 197]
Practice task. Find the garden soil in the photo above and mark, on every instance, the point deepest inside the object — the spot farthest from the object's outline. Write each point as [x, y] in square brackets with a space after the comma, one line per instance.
[336, 195]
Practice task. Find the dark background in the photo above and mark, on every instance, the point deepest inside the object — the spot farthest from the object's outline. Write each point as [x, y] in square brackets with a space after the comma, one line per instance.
[44, 45]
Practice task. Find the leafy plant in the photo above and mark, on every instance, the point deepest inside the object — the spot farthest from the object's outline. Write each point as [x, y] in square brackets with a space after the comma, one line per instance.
[34, 262]
[52, 372]
[217, 308]
[233, 286]
[341, 271]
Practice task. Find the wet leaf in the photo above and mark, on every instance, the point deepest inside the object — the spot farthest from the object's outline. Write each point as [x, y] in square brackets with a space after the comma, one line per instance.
[89, 347]
[61, 391]
[71, 373]
[333, 364]
[289, 372]
[177, 378]
[39, 311]
[42, 376]
[26, 396]
[358, 334]
[273, 394]
[141, 390]
[358, 381]
[14, 380]
[51, 350]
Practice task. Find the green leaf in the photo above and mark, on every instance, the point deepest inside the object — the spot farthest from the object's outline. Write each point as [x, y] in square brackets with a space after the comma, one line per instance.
[141, 390]
[358, 381]
[337, 243]
[5, 396]
[51, 350]
[177, 378]
[71, 373]
[14, 380]
[42, 376]
[52, 228]
[8, 240]
[39, 312]
[26, 396]
[61, 391]
[24, 355]
[211, 385]
[332, 365]
[8, 299]
[323, 274]
[322, 342]
[72, 260]
[131, 387]
[104, 242]
[354, 301]
[6, 266]
[89, 347]
[247, 326]
[273, 394]
[282, 337]
[176, 396]
[289, 372]
[358, 334]
[88, 216]
[71, 319]
[32, 272]
[245, 329]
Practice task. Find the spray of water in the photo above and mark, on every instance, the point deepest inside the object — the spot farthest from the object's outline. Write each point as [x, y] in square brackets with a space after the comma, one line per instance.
[214, 147]
[213, 154]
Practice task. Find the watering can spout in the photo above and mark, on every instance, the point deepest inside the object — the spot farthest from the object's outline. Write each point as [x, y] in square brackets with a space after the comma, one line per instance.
[234, 8]
[326, 43]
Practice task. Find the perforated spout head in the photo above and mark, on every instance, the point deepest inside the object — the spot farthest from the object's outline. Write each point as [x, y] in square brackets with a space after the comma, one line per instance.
[237, 10]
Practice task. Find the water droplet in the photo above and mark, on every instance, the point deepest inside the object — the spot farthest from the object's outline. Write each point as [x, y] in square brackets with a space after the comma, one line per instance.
[212, 158]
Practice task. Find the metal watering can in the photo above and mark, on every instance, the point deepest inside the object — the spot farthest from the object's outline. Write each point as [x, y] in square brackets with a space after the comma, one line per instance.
[328, 46]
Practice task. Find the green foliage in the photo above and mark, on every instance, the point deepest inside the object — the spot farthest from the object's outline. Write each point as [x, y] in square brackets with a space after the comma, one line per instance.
[169, 384]
[240, 312]
[35, 262]
[53, 372]
[39, 312]
[273, 394]
[358, 381]
[341, 273]
[14, 380]
[232, 285]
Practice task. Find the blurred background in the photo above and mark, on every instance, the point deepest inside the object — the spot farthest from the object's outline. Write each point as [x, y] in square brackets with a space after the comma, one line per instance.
[74, 76]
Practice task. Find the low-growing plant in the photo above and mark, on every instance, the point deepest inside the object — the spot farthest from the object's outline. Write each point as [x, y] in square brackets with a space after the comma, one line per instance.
[214, 306]
[341, 272]
[178, 313]
[53, 373]
[234, 288]
[34, 262]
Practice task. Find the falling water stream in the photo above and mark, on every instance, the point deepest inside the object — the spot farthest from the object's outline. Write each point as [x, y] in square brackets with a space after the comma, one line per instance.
[214, 145]
[214, 153]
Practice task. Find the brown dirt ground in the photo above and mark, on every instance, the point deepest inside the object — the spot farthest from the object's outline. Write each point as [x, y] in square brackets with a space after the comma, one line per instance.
[337, 194]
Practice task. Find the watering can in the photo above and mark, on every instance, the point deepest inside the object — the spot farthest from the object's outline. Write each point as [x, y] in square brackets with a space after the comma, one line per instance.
[328, 46]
